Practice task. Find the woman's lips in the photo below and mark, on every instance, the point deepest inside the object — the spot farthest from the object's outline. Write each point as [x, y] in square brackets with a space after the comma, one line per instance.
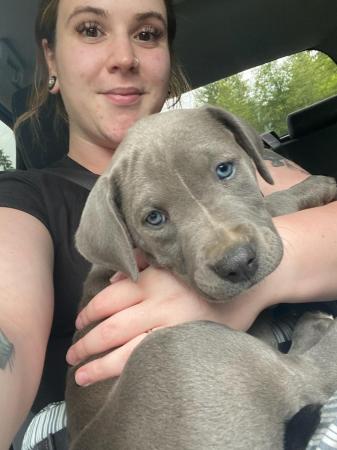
[124, 96]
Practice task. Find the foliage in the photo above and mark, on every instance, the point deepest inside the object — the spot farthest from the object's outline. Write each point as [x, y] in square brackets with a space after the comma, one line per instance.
[5, 161]
[264, 96]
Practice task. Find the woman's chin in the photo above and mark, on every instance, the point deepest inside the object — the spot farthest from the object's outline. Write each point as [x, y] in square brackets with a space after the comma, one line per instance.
[111, 138]
[119, 129]
[115, 129]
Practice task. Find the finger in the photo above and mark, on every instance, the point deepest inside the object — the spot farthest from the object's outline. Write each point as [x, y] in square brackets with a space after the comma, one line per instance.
[109, 366]
[115, 331]
[110, 300]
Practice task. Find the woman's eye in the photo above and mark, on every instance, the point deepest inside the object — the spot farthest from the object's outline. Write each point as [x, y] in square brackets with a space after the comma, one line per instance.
[149, 34]
[156, 218]
[90, 30]
[225, 171]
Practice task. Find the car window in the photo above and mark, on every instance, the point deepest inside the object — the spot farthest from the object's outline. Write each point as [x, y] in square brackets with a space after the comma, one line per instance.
[265, 95]
[7, 148]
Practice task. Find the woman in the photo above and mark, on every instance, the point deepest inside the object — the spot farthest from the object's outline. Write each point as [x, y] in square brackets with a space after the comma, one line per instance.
[109, 63]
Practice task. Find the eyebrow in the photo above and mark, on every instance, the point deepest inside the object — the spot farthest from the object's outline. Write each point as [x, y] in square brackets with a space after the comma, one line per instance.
[87, 9]
[103, 13]
[151, 15]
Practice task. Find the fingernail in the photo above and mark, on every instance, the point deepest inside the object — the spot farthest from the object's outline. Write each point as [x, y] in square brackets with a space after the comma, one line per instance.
[118, 276]
[79, 323]
[82, 378]
[70, 357]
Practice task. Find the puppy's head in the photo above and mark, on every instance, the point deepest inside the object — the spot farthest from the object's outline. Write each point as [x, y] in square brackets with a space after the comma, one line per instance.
[182, 188]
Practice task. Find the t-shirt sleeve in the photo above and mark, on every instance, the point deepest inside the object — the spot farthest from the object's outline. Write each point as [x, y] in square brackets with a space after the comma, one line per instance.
[22, 190]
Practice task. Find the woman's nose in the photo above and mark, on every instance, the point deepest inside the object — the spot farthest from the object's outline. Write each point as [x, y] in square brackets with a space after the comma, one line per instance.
[121, 56]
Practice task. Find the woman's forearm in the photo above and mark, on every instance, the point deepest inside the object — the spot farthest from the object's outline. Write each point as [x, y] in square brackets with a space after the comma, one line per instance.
[308, 270]
[310, 254]
[20, 372]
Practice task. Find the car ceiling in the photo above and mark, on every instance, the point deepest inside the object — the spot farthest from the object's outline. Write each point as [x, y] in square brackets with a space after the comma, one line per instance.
[216, 38]
[220, 37]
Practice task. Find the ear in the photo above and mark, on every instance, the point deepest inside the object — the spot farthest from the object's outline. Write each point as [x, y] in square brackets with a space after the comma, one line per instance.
[102, 237]
[49, 57]
[245, 136]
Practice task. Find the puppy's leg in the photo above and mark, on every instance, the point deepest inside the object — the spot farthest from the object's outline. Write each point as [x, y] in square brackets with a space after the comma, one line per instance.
[82, 402]
[195, 386]
[314, 191]
[309, 330]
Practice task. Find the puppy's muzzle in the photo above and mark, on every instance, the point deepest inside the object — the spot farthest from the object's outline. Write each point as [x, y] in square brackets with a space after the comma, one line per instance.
[239, 263]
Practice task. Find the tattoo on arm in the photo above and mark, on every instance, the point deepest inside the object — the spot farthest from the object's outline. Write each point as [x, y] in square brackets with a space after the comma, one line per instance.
[278, 160]
[6, 352]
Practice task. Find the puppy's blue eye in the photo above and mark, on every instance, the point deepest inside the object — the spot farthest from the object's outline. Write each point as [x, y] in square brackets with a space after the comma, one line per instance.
[225, 171]
[156, 218]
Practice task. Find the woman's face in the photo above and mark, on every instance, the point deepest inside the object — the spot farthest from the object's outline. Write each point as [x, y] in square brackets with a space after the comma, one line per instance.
[112, 64]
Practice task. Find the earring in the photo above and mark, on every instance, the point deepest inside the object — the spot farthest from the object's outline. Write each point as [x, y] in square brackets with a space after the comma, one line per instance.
[51, 82]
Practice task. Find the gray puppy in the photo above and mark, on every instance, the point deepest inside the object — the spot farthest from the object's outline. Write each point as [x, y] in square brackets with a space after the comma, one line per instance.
[182, 187]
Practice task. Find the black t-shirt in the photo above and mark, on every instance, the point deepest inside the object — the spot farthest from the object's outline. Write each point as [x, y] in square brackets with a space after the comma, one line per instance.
[58, 204]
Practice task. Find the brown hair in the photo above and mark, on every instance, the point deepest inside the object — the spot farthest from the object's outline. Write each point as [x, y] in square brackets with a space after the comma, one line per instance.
[45, 28]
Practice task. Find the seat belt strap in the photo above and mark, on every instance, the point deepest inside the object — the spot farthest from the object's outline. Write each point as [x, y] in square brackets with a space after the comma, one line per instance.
[271, 139]
[82, 178]
[55, 441]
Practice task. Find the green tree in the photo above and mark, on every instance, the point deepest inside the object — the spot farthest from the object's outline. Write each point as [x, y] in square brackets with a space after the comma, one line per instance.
[314, 77]
[270, 90]
[5, 162]
[232, 93]
[266, 95]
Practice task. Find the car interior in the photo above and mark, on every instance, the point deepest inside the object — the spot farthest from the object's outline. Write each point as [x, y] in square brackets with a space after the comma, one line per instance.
[215, 39]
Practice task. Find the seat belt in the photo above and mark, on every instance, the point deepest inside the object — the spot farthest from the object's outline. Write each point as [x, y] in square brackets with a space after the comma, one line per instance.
[55, 441]
[271, 139]
[85, 179]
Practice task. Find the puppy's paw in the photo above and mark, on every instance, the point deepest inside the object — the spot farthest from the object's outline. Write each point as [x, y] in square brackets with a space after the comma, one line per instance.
[309, 330]
[323, 189]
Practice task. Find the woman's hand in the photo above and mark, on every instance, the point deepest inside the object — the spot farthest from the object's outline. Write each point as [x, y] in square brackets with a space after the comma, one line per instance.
[129, 311]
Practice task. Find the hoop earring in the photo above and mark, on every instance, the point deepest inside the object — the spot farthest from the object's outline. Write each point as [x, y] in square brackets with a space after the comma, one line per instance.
[51, 82]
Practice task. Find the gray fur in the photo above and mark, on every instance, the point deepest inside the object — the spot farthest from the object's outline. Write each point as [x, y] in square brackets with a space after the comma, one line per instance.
[202, 386]
[6, 352]
[198, 385]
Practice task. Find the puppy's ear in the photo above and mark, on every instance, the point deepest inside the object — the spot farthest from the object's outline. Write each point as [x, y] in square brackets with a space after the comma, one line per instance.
[245, 136]
[102, 237]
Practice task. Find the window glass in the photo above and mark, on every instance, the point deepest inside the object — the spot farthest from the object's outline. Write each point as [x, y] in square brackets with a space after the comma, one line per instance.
[265, 95]
[7, 148]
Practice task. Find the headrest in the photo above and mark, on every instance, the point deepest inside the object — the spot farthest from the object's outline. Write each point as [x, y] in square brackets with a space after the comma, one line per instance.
[49, 147]
[312, 118]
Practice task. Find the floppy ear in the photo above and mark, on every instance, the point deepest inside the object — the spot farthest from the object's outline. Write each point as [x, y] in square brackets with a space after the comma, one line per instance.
[245, 136]
[102, 237]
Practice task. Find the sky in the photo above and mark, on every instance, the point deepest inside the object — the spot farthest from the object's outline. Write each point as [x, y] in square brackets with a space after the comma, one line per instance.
[187, 100]
[7, 141]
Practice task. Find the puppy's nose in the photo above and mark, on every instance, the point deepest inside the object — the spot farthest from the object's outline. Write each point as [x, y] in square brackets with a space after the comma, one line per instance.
[238, 264]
